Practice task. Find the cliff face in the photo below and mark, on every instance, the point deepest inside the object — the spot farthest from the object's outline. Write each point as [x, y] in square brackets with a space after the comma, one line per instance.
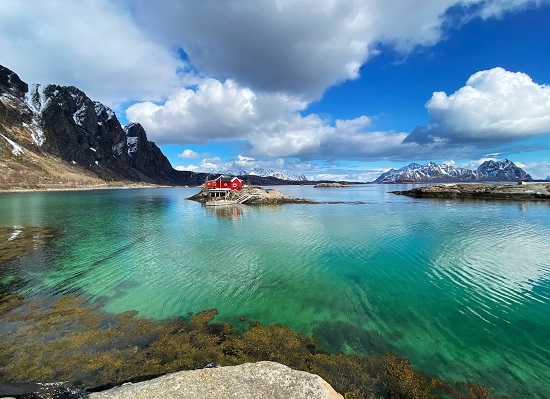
[51, 132]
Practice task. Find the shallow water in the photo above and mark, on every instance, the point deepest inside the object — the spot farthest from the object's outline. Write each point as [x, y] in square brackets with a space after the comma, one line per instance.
[460, 288]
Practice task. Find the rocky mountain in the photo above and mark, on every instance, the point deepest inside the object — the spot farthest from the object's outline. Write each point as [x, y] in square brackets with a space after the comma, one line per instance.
[267, 173]
[504, 170]
[56, 136]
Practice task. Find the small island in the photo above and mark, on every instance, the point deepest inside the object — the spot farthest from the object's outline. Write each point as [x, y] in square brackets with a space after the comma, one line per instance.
[519, 191]
[229, 190]
[331, 185]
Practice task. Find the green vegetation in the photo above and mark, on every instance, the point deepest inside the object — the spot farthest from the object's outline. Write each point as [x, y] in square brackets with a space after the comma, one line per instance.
[68, 339]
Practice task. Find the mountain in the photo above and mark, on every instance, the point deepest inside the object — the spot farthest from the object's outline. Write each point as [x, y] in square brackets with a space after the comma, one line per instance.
[429, 172]
[547, 178]
[55, 136]
[267, 173]
[504, 170]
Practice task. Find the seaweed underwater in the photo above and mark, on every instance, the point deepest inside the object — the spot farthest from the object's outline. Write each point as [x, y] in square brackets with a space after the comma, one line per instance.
[69, 345]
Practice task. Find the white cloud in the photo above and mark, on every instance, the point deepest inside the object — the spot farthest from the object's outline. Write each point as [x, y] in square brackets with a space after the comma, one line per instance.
[537, 170]
[495, 106]
[271, 124]
[210, 165]
[188, 154]
[190, 168]
[300, 47]
[92, 44]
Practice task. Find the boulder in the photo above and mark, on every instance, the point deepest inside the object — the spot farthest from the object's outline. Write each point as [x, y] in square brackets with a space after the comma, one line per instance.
[246, 381]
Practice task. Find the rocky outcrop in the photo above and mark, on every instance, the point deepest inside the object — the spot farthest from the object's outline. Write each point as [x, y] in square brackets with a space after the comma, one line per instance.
[519, 192]
[247, 381]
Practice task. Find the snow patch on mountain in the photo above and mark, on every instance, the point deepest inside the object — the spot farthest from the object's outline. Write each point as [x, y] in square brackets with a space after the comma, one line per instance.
[36, 98]
[15, 150]
[132, 143]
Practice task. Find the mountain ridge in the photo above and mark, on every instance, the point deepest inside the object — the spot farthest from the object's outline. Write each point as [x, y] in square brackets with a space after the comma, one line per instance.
[504, 170]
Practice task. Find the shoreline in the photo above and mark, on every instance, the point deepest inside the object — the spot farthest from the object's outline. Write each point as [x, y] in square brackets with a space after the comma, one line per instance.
[85, 188]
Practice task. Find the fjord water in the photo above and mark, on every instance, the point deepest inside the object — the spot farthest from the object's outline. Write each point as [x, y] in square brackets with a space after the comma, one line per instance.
[462, 289]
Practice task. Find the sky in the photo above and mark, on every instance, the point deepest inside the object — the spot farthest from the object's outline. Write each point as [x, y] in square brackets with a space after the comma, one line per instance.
[332, 89]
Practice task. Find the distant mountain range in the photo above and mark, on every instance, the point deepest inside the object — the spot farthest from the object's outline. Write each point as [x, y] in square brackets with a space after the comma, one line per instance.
[504, 170]
[266, 173]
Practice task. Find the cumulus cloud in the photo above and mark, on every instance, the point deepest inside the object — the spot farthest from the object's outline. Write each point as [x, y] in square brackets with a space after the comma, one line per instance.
[271, 125]
[494, 107]
[92, 44]
[188, 154]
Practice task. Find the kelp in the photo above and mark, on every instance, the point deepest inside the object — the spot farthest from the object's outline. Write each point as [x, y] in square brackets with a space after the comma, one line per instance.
[70, 339]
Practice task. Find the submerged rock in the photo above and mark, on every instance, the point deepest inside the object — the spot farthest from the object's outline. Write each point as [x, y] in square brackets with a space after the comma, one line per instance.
[247, 381]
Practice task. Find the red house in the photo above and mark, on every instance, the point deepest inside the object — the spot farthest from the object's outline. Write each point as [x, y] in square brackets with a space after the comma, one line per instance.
[227, 182]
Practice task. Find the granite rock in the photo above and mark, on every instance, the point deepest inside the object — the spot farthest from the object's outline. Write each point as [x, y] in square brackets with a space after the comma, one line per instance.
[246, 381]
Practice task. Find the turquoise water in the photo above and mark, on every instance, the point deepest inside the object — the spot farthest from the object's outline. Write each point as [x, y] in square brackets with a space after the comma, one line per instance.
[462, 289]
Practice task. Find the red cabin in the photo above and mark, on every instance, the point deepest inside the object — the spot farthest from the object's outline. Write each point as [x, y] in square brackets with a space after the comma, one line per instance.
[227, 182]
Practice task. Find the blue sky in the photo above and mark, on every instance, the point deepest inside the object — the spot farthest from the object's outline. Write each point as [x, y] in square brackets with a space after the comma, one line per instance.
[341, 89]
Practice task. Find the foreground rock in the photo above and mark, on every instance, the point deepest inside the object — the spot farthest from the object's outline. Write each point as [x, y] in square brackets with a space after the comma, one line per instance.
[247, 381]
[520, 192]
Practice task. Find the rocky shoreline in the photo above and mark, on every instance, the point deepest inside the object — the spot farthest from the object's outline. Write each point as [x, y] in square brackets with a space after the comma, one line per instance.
[517, 192]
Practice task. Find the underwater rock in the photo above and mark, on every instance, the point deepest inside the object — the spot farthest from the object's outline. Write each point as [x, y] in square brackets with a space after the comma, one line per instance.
[247, 381]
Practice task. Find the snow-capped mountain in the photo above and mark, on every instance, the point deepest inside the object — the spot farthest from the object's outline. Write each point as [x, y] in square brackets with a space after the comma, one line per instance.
[504, 170]
[547, 178]
[267, 173]
[488, 171]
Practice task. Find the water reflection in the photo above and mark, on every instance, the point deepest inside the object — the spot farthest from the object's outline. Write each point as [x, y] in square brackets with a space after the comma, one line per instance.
[232, 212]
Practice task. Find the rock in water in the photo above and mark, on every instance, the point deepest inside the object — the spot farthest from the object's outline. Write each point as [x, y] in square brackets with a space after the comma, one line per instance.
[247, 381]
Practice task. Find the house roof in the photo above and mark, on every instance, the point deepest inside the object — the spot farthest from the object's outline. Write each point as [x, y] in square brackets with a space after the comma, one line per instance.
[227, 179]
